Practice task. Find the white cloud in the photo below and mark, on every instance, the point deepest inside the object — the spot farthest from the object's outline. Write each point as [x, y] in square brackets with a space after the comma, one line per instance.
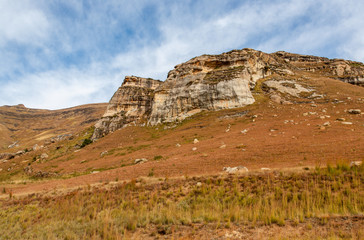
[60, 89]
[22, 22]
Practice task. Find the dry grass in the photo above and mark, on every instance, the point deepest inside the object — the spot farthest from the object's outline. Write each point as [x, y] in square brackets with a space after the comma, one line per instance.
[253, 200]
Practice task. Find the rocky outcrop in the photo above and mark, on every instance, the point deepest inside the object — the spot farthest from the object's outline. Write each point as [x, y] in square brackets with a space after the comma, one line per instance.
[131, 104]
[214, 82]
[211, 82]
[343, 70]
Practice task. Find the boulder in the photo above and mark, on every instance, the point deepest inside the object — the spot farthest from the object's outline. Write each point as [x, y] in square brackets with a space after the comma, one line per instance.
[233, 170]
[275, 98]
[356, 163]
[140, 160]
[354, 111]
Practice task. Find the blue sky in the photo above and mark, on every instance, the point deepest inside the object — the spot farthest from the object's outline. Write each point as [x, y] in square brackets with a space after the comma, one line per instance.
[63, 53]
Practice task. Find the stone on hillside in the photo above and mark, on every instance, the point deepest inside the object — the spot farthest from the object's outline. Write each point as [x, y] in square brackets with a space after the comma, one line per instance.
[44, 156]
[356, 163]
[35, 147]
[223, 146]
[354, 111]
[195, 141]
[233, 170]
[103, 153]
[194, 148]
[275, 98]
[198, 184]
[340, 119]
[15, 144]
[327, 124]
[140, 160]
[244, 131]
[178, 145]
[346, 123]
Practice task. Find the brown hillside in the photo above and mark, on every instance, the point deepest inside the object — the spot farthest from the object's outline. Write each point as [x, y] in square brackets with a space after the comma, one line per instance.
[34, 126]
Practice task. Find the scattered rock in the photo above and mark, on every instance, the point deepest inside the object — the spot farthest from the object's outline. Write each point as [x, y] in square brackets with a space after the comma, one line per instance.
[244, 131]
[340, 119]
[178, 145]
[356, 163]
[103, 153]
[6, 155]
[195, 141]
[140, 160]
[194, 148]
[234, 235]
[35, 147]
[93, 172]
[354, 111]
[44, 156]
[347, 123]
[39, 174]
[265, 169]
[28, 170]
[275, 98]
[198, 184]
[313, 105]
[222, 146]
[232, 170]
[15, 144]
[287, 102]
[327, 124]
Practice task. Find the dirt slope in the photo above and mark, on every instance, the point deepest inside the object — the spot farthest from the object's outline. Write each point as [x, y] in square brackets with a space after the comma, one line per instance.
[30, 126]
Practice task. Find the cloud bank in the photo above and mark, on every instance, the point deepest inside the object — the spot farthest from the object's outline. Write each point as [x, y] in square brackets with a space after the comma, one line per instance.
[57, 54]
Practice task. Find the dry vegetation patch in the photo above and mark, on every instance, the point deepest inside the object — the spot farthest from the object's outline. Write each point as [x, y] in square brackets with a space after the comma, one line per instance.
[175, 208]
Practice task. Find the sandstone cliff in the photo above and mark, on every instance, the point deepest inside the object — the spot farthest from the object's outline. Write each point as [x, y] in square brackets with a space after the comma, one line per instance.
[131, 104]
[214, 82]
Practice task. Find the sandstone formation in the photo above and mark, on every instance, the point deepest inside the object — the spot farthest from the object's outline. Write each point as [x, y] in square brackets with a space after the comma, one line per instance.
[131, 104]
[214, 82]
[343, 70]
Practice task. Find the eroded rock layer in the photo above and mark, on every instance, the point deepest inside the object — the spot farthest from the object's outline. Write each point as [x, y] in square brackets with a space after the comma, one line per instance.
[131, 104]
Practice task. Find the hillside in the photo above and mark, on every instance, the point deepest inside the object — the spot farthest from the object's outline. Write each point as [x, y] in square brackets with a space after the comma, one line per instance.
[277, 118]
[27, 127]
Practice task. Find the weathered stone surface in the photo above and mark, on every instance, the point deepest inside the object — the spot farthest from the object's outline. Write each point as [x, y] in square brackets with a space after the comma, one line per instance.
[131, 104]
[343, 70]
[210, 82]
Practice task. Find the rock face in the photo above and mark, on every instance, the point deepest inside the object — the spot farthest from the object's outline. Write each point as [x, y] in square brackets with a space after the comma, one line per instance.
[343, 70]
[131, 104]
[209, 82]
[214, 82]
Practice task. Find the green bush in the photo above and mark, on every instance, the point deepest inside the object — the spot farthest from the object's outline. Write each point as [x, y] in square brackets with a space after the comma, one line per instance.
[86, 142]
